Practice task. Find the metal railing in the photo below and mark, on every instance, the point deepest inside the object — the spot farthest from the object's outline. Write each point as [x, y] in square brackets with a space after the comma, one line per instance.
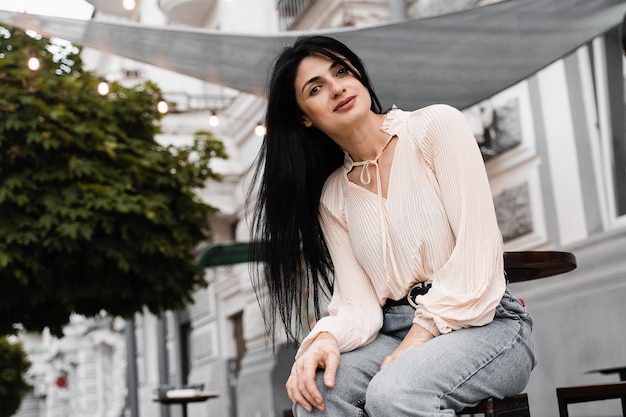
[288, 11]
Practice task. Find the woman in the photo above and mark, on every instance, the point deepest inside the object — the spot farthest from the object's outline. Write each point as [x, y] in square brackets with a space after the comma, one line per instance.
[391, 213]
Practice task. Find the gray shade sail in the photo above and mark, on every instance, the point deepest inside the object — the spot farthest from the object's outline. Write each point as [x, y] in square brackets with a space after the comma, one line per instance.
[459, 59]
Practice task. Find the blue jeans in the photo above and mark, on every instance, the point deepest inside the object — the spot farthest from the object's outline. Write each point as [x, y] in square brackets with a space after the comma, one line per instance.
[444, 375]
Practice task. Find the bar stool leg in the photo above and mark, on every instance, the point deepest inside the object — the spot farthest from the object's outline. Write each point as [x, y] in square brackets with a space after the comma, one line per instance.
[563, 408]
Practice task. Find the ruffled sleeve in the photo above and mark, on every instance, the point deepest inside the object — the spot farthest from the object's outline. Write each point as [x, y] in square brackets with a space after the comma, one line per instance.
[467, 289]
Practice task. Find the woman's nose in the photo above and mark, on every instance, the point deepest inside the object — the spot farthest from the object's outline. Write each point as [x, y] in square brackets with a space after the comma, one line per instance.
[336, 87]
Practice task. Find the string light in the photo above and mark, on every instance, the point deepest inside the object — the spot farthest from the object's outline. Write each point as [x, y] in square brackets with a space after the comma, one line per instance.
[103, 88]
[33, 63]
[260, 130]
[129, 4]
[162, 106]
[214, 120]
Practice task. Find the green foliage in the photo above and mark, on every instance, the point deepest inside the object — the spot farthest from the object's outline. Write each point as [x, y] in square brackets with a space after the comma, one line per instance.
[94, 213]
[13, 366]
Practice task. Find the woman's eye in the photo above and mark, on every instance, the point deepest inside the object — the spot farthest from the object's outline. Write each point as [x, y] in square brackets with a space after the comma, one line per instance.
[314, 90]
[342, 71]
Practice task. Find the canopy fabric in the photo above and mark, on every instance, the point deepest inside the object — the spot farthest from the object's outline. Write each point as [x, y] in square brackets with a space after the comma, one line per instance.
[229, 253]
[459, 59]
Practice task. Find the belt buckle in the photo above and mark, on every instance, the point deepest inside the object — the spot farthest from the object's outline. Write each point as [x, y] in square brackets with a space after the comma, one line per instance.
[420, 288]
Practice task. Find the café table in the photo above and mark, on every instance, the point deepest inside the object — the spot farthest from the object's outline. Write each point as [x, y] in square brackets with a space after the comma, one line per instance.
[184, 397]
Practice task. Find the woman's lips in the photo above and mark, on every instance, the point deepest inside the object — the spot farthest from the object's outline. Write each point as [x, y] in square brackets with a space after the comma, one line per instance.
[345, 104]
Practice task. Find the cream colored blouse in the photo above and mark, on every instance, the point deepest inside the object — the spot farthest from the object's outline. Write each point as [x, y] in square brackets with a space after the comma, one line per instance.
[436, 225]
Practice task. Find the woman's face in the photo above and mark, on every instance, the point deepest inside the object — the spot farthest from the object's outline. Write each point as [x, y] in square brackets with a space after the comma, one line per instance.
[330, 97]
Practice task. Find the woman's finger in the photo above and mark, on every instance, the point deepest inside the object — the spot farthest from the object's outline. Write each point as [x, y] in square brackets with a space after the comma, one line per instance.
[308, 386]
[295, 393]
[330, 371]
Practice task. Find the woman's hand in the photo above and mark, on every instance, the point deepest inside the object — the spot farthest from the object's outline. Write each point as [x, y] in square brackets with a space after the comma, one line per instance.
[416, 336]
[301, 387]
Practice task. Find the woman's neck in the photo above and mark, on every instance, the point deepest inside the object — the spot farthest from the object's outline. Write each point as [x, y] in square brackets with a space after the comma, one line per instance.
[366, 140]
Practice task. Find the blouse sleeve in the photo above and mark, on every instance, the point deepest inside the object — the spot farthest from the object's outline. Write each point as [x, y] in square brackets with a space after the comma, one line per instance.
[354, 313]
[467, 289]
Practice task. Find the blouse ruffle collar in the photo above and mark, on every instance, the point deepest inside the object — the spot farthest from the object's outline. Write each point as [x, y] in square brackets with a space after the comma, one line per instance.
[391, 125]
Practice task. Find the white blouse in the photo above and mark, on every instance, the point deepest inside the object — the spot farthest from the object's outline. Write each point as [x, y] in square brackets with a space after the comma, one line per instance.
[437, 225]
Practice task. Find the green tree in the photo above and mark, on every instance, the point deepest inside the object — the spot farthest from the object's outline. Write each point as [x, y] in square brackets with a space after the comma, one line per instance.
[13, 366]
[94, 213]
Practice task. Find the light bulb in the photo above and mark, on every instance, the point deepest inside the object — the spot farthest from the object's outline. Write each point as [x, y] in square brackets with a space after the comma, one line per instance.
[103, 88]
[162, 106]
[260, 130]
[33, 63]
[214, 120]
[129, 4]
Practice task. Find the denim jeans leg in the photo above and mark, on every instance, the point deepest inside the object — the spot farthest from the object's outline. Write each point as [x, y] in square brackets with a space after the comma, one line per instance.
[447, 373]
[458, 369]
[356, 368]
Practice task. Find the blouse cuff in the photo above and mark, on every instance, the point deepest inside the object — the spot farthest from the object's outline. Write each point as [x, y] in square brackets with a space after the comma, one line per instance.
[323, 325]
[428, 324]
[306, 343]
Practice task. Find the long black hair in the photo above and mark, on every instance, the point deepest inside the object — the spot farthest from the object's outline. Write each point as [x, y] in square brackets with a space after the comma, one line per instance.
[295, 270]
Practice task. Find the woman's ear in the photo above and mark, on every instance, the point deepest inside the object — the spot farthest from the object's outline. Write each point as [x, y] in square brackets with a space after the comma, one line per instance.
[306, 122]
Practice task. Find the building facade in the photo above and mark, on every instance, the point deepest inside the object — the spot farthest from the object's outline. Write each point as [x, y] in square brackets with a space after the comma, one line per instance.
[555, 152]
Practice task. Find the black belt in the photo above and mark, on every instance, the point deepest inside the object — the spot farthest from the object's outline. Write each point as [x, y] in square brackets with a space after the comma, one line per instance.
[420, 288]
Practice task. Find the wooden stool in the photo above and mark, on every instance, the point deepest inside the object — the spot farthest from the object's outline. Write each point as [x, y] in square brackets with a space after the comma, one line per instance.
[530, 265]
[520, 267]
[586, 393]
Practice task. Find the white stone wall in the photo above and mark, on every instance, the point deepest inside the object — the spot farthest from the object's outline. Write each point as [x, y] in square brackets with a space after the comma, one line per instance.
[81, 374]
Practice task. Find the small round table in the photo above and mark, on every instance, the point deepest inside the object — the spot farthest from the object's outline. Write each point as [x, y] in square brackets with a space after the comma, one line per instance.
[185, 399]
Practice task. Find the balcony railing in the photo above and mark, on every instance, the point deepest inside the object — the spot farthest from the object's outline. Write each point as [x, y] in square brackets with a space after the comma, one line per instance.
[288, 11]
